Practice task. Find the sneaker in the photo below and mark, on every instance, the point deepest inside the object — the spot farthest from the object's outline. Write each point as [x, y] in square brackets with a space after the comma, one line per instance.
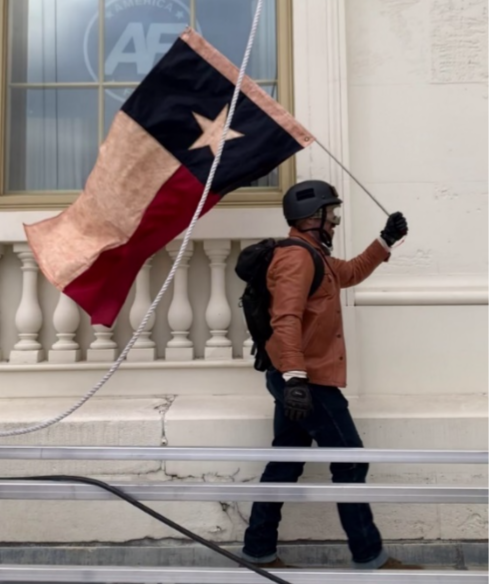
[393, 564]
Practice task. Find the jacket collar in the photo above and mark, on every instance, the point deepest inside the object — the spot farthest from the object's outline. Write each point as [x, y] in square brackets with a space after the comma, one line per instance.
[307, 237]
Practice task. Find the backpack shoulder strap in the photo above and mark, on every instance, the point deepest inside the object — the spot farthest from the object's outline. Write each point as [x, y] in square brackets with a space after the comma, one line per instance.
[316, 258]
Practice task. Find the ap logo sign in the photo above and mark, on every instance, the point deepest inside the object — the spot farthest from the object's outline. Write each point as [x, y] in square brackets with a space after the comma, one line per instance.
[137, 34]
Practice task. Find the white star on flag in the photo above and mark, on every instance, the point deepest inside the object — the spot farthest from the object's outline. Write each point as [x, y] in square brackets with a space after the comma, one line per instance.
[212, 131]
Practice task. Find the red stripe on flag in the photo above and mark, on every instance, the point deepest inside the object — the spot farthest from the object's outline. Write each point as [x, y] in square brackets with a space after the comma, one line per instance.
[102, 290]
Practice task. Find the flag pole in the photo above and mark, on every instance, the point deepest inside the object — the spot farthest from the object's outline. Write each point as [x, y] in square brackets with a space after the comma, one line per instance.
[352, 176]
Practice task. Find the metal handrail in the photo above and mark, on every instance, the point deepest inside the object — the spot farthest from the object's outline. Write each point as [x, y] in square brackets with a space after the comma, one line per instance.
[329, 455]
[285, 492]
[170, 491]
[129, 575]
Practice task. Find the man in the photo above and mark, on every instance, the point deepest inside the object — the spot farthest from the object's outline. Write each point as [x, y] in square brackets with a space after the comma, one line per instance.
[307, 351]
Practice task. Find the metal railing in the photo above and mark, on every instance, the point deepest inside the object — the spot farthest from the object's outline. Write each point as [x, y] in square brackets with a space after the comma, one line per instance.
[102, 575]
[355, 455]
[208, 492]
[304, 493]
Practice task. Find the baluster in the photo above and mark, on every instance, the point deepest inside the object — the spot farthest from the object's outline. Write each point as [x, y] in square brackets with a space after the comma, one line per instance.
[103, 348]
[144, 348]
[28, 318]
[218, 313]
[1, 254]
[248, 343]
[66, 320]
[180, 315]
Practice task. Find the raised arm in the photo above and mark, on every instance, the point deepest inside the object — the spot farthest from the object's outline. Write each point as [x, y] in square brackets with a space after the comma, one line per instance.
[352, 272]
[358, 269]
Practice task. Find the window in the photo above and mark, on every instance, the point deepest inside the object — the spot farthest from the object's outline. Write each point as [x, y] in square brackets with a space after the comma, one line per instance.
[72, 63]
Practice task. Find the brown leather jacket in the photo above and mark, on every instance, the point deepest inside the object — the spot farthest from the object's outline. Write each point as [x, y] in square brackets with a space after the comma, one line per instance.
[308, 332]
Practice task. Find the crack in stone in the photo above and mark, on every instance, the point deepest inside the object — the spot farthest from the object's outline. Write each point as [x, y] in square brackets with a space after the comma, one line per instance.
[229, 507]
[208, 477]
[162, 408]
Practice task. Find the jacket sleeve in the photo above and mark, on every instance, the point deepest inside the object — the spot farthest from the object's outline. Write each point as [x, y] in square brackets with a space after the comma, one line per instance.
[289, 281]
[352, 272]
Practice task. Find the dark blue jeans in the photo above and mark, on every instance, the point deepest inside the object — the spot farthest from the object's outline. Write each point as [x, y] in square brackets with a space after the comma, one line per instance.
[331, 426]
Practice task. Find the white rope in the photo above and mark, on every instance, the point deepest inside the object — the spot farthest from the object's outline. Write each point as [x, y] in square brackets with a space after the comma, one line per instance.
[176, 264]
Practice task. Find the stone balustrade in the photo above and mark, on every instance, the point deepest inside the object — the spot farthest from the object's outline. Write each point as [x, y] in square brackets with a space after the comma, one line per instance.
[198, 319]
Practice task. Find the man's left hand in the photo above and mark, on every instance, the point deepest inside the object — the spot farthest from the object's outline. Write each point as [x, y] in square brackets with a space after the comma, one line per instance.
[395, 229]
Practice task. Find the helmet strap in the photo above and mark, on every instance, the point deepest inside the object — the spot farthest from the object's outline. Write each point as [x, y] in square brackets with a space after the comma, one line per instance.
[324, 236]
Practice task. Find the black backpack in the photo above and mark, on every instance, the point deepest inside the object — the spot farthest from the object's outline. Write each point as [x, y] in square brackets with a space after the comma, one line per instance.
[252, 266]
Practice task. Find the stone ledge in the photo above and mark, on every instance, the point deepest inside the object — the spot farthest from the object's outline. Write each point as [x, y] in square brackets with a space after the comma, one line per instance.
[48, 380]
[108, 422]
[456, 555]
[85, 366]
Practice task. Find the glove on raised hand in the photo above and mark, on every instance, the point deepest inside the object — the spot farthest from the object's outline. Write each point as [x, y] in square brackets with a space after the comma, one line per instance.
[395, 229]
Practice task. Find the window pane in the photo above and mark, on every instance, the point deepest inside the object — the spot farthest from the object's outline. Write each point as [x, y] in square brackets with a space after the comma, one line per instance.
[138, 34]
[114, 99]
[227, 24]
[50, 41]
[53, 138]
[53, 132]
[272, 179]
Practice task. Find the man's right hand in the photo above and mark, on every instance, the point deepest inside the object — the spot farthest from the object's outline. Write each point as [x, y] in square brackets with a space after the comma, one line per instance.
[297, 399]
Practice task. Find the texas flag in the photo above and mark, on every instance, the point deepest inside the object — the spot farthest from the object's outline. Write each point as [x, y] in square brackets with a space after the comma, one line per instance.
[151, 172]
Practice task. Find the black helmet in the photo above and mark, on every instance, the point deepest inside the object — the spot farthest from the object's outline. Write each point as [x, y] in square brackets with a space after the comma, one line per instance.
[304, 199]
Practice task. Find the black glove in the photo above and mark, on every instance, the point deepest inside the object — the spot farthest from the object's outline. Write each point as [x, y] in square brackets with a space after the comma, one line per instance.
[395, 229]
[297, 399]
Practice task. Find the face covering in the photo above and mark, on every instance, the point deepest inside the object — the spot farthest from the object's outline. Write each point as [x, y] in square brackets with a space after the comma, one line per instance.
[330, 214]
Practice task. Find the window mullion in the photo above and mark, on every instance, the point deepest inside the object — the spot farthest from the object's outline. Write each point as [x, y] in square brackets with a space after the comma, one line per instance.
[101, 71]
[101, 105]
[5, 78]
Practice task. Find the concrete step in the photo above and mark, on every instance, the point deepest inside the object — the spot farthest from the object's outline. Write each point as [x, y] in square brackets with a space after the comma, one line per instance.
[448, 555]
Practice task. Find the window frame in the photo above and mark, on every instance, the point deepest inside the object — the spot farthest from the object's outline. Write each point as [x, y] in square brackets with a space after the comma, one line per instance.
[246, 197]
